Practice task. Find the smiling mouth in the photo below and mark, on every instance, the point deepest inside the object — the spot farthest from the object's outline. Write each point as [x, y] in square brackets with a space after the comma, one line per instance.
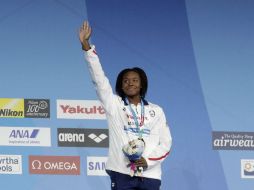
[131, 89]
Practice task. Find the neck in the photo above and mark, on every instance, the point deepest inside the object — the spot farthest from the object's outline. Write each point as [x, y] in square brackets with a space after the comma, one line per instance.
[134, 99]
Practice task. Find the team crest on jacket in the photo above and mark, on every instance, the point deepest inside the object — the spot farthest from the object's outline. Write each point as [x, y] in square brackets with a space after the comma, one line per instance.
[152, 113]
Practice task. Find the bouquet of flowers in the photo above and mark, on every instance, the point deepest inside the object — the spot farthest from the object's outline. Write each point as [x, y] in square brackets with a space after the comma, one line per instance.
[133, 151]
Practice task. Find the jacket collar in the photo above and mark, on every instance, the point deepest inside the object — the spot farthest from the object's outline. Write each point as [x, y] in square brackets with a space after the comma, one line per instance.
[144, 100]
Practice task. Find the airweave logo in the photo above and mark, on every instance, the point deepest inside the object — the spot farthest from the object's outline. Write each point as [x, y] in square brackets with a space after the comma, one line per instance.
[69, 137]
[25, 136]
[37, 108]
[80, 109]
[10, 164]
[224, 140]
[59, 165]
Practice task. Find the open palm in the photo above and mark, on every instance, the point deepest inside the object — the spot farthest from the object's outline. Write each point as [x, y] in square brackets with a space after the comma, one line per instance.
[85, 32]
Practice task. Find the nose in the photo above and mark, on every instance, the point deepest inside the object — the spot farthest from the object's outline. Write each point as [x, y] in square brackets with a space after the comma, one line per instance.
[130, 83]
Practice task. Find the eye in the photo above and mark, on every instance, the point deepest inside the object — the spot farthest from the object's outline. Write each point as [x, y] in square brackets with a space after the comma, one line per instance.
[125, 81]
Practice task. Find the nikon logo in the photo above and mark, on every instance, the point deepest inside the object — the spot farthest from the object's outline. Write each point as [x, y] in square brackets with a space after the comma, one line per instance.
[10, 113]
[24, 108]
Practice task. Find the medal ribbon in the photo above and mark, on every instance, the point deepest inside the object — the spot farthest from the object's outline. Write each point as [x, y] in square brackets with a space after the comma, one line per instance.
[135, 117]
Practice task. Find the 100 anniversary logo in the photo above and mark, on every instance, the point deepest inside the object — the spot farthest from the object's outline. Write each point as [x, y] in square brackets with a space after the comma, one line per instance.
[24, 108]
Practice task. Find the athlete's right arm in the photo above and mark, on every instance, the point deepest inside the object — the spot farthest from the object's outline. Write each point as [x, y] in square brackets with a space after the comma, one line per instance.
[84, 35]
[101, 82]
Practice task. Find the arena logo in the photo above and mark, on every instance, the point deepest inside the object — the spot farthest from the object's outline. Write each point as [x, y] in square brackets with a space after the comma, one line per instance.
[80, 109]
[96, 138]
[10, 164]
[58, 165]
[96, 166]
[25, 136]
[37, 108]
[80, 137]
[247, 168]
[11, 108]
[224, 140]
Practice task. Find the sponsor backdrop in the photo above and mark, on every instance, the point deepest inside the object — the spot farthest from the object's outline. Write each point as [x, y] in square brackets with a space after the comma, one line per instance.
[199, 59]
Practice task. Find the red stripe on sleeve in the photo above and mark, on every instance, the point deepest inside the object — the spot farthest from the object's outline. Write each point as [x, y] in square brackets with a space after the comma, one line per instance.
[155, 159]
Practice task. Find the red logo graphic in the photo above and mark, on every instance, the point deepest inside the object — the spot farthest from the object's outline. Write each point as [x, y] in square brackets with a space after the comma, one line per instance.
[58, 165]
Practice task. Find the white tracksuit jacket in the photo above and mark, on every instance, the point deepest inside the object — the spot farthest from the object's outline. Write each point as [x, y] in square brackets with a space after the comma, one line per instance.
[122, 128]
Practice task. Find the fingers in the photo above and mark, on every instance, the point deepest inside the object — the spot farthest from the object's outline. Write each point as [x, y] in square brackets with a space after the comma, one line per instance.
[86, 26]
[85, 31]
[141, 162]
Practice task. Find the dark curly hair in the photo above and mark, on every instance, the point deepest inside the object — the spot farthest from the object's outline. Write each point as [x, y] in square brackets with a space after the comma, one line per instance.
[143, 78]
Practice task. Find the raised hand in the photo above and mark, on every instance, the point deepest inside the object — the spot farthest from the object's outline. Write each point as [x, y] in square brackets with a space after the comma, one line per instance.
[85, 32]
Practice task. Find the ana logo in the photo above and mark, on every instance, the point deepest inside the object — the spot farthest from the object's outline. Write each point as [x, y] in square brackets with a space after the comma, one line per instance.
[96, 138]
[247, 168]
[10, 164]
[62, 165]
[80, 109]
[24, 133]
[25, 136]
[96, 166]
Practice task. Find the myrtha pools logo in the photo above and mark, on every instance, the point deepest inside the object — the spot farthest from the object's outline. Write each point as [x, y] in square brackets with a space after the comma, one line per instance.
[10, 164]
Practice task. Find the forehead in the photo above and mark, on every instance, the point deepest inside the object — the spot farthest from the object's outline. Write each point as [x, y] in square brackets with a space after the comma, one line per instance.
[131, 74]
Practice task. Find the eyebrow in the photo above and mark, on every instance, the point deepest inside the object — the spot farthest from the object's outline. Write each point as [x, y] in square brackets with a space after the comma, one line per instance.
[135, 77]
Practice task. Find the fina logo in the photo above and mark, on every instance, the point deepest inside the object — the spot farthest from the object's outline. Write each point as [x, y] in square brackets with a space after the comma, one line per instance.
[96, 138]
[24, 134]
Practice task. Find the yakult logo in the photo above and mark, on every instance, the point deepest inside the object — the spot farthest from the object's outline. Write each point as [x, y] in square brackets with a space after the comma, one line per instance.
[80, 109]
[59, 165]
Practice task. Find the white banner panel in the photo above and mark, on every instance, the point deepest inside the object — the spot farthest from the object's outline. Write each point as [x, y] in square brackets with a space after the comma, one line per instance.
[96, 166]
[80, 109]
[25, 136]
[10, 164]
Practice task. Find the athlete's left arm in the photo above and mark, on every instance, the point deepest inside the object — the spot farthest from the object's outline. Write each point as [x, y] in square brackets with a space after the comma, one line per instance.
[165, 142]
